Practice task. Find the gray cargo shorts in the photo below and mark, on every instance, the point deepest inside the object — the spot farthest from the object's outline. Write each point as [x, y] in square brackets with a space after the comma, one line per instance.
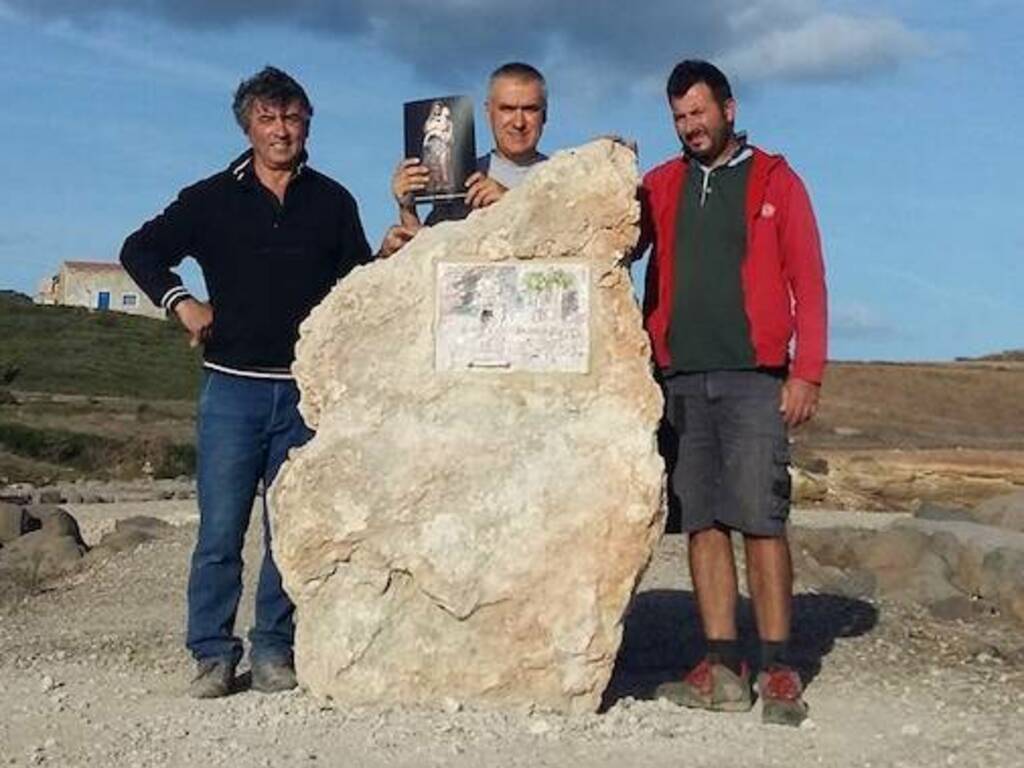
[733, 463]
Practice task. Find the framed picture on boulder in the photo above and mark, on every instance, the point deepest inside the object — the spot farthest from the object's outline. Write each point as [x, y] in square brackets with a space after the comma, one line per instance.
[440, 133]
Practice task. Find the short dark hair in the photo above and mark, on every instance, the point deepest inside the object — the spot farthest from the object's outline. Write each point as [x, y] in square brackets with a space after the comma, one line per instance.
[272, 86]
[688, 73]
[520, 71]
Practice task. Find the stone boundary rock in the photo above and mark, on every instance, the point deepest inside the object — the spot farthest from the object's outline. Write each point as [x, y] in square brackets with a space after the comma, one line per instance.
[42, 542]
[100, 492]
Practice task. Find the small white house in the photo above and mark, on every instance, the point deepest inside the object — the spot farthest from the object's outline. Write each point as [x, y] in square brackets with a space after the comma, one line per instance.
[97, 285]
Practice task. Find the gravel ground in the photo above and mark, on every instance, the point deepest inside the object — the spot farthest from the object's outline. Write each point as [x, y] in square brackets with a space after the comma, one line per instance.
[93, 673]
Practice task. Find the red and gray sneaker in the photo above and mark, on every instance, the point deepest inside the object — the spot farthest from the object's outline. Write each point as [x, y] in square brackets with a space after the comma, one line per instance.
[781, 690]
[712, 686]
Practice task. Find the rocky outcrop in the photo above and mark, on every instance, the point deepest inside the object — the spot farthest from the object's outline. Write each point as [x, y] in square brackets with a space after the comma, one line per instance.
[956, 567]
[101, 491]
[49, 544]
[127, 534]
[1005, 511]
[13, 522]
[905, 479]
[484, 490]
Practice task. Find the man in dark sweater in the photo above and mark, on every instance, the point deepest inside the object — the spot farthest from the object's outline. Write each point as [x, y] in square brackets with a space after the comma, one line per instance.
[272, 237]
[735, 272]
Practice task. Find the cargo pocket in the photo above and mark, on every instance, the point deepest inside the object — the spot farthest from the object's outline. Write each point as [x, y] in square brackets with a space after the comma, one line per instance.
[677, 413]
[782, 483]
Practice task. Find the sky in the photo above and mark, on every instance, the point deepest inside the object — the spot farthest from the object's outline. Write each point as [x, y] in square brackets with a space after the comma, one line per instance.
[901, 117]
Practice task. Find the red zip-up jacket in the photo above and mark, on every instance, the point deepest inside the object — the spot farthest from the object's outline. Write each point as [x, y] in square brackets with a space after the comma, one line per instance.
[783, 275]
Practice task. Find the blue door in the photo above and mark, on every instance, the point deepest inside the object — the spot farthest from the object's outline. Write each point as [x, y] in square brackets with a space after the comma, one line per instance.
[103, 300]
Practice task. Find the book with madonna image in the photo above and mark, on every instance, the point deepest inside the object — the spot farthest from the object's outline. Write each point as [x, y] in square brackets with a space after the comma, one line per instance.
[440, 133]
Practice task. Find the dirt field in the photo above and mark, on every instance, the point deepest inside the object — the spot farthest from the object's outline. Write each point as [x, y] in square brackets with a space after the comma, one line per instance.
[913, 406]
[895, 436]
[951, 416]
[93, 673]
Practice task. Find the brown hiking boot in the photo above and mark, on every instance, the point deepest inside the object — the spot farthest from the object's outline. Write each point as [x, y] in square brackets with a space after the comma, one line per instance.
[781, 690]
[711, 686]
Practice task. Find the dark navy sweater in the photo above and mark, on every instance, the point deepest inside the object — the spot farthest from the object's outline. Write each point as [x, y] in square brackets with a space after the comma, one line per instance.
[266, 264]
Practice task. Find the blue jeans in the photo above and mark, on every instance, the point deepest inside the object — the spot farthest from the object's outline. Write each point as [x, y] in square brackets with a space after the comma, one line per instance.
[245, 428]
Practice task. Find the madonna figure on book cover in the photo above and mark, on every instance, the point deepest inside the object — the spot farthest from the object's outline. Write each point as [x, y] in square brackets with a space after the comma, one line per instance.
[440, 133]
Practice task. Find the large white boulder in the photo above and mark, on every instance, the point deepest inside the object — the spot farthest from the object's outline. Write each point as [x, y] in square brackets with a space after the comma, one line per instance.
[484, 490]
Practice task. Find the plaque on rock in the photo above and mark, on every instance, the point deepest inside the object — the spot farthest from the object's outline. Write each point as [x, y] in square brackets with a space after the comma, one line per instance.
[512, 317]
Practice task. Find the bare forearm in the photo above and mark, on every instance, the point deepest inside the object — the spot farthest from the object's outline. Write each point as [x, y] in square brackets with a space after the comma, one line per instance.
[407, 217]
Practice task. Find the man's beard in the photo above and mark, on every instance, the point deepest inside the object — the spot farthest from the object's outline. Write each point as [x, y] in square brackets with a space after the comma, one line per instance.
[719, 141]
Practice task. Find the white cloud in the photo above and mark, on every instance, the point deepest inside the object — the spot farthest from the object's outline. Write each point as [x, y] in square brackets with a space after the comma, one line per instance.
[856, 320]
[823, 47]
[617, 44]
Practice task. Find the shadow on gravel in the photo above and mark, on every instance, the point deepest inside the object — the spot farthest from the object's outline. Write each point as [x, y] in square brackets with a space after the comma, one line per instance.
[662, 637]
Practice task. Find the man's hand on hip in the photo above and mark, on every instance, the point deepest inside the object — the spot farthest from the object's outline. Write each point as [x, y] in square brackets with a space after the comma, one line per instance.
[799, 401]
[483, 191]
[197, 317]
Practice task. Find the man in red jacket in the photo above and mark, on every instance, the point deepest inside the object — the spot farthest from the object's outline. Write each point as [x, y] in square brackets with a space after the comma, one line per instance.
[735, 272]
